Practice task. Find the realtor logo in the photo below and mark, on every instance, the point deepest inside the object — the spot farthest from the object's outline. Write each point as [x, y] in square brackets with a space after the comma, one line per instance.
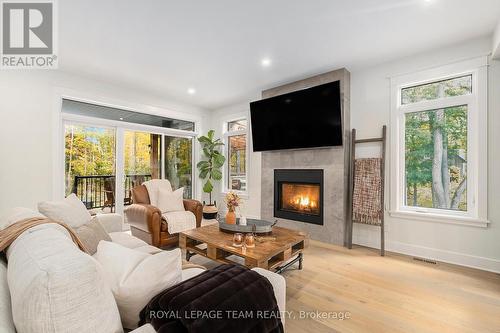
[28, 35]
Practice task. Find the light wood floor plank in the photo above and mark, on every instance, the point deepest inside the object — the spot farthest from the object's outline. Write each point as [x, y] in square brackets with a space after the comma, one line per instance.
[388, 294]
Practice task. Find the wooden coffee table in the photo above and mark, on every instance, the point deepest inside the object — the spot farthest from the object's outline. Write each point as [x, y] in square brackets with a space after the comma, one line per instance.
[269, 254]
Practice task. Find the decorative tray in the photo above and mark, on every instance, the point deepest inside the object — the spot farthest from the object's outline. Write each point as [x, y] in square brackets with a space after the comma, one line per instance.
[253, 225]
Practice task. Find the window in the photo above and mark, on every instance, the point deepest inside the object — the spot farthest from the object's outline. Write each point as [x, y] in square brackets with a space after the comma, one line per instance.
[439, 125]
[236, 154]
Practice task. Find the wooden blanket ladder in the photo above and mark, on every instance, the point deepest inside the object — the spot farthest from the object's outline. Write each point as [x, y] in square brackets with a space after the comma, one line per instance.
[351, 221]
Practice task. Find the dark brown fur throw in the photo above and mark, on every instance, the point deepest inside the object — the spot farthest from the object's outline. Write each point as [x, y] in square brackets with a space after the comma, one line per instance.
[228, 298]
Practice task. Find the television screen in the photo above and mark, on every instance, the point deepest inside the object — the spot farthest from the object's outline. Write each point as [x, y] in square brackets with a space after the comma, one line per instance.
[306, 118]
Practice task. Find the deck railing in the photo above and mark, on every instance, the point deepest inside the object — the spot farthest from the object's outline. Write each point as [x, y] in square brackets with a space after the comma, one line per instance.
[99, 191]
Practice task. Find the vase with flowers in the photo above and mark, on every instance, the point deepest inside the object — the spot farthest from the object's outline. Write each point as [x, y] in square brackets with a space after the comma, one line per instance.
[232, 201]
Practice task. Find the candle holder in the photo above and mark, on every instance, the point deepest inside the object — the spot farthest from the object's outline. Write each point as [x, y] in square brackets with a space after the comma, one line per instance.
[238, 240]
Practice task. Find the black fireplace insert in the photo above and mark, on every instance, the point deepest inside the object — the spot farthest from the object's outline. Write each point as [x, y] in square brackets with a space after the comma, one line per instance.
[298, 195]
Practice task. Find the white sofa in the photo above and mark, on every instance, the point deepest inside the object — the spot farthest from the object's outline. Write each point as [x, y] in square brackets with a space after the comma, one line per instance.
[51, 286]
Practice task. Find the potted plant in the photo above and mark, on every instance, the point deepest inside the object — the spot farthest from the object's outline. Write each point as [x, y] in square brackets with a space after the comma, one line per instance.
[210, 169]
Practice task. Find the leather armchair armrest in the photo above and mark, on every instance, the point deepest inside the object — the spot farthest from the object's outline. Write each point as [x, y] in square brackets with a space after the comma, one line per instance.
[147, 218]
[196, 208]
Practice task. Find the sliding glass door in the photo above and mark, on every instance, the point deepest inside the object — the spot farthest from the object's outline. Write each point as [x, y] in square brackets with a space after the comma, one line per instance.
[90, 165]
[179, 163]
[142, 160]
[109, 151]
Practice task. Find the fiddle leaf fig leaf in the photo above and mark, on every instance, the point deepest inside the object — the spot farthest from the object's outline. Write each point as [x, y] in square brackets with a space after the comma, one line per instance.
[216, 174]
[208, 187]
[202, 164]
[204, 173]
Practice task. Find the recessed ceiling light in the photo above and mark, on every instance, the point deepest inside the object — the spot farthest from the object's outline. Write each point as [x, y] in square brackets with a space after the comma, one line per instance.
[265, 62]
[191, 91]
[121, 118]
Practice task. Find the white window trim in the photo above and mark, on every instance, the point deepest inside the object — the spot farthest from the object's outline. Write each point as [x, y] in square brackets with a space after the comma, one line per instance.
[226, 135]
[477, 149]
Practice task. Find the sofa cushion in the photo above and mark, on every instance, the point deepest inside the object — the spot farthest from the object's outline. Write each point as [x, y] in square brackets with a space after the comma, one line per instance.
[169, 201]
[55, 287]
[6, 321]
[127, 240]
[136, 277]
[91, 234]
[17, 214]
[70, 211]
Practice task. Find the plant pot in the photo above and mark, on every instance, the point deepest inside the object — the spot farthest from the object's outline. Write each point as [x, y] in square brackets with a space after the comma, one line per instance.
[231, 217]
[210, 212]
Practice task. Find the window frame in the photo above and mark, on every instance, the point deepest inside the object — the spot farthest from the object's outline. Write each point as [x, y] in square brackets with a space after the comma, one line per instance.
[476, 102]
[226, 135]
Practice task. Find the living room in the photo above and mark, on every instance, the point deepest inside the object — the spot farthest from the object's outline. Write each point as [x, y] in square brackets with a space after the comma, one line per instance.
[248, 109]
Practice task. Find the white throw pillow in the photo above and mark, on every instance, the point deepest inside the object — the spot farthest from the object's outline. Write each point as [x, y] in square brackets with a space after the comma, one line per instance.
[171, 201]
[69, 210]
[136, 277]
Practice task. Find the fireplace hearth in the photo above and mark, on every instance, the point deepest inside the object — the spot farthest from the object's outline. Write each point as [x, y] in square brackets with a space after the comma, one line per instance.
[298, 195]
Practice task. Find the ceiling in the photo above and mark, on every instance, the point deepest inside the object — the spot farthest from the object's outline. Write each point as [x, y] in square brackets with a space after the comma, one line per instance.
[216, 46]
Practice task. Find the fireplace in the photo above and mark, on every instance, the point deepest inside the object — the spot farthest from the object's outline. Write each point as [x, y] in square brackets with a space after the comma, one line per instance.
[298, 195]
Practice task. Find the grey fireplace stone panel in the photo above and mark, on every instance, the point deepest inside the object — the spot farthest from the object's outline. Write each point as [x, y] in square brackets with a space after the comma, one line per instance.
[334, 161]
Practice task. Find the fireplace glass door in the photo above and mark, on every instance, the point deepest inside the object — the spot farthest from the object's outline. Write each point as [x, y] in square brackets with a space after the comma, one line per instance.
[300, 198]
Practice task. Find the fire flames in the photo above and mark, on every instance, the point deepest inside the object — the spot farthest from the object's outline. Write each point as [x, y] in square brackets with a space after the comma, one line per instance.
[301, 198]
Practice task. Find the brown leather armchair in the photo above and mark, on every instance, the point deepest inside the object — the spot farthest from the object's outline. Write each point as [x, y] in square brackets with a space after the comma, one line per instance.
[147, 223]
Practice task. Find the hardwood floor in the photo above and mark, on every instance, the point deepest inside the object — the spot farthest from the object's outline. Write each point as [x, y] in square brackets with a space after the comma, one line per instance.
[388, 294]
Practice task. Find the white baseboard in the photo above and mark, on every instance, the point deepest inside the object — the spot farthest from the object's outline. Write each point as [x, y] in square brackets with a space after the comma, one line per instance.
[451, 257]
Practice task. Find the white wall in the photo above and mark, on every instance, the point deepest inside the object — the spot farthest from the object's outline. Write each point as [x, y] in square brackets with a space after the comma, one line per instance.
[370, 109]
[251, 203]
[27, 126]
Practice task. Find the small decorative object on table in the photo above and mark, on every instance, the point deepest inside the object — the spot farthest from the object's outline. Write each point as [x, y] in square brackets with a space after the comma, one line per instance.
[249, 240]
[237, 239]
[232, 201]
[243, 220]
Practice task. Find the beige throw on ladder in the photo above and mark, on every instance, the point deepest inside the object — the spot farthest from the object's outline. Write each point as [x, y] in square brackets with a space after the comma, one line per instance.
[366, 202]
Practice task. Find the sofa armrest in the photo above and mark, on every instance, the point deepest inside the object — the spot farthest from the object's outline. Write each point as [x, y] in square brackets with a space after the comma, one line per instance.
[196, 208]
[111, 222]
[279, 285]
[144, 329]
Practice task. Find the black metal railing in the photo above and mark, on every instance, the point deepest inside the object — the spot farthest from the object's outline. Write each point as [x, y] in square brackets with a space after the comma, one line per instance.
[99, 191]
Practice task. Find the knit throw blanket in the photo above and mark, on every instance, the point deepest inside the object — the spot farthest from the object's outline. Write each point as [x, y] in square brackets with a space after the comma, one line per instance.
[9, 234]
[366, 205]
[228, 298]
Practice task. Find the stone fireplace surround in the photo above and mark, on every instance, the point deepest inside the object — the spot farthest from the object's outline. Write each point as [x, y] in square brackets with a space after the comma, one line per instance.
[333, 161]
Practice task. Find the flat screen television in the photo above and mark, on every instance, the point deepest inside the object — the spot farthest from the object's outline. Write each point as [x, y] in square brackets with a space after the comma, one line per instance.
[306, 118]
